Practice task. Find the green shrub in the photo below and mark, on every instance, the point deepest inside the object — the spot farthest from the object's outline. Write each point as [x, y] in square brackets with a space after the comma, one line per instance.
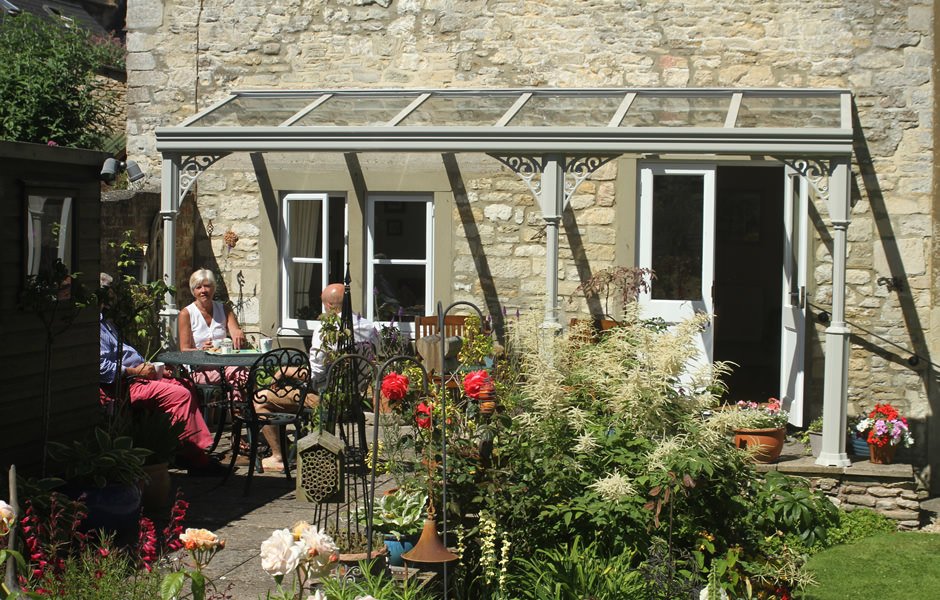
[859, 524]
[575, 572]
[49, 85]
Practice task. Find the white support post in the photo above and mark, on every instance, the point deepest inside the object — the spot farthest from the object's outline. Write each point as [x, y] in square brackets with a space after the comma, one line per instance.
[169, 209]
[835, 386]
[552, 202]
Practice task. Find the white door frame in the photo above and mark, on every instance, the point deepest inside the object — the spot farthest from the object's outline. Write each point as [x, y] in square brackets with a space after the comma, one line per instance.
[793, 307]
[675, 311]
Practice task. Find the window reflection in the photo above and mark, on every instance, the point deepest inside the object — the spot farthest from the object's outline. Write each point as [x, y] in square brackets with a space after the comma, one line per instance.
[49, 235]
[678, 214]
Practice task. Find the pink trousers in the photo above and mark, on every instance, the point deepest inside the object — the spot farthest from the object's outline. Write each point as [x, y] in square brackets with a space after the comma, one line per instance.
[175, 399]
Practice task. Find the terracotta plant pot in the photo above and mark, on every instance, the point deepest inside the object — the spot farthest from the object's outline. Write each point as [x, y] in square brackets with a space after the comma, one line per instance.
[765, 444]
[155, 493]
[881, 455]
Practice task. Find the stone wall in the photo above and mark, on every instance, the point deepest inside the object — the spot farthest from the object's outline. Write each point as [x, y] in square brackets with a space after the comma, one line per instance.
[898, 500]
[182, 57]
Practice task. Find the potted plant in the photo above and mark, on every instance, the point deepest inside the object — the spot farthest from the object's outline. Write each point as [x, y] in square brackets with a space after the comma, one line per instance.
[757, 428]
[105, 472]
[884, 429]
[155, 431]
[812, 436]
[398, 516]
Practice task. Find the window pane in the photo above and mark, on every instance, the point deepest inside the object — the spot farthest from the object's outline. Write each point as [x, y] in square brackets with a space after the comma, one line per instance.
[49, 235]
[677, 111]
[305, 229]
[399, 291]
[677, 237]
[556, 110]
[465, 111]
[401, 230]
[356, 111]
[304, 286]
[256, 111]
[790, 111]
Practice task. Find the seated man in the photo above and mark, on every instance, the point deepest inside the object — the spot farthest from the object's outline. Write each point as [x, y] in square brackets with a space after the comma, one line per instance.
[145, 389]
[364, 334]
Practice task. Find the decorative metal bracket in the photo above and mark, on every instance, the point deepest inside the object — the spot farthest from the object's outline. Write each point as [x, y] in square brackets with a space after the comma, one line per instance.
[192, 167]
[530, 168]
[815, 170]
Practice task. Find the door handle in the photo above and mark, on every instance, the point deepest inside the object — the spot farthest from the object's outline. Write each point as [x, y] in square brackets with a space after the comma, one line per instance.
[802, 296]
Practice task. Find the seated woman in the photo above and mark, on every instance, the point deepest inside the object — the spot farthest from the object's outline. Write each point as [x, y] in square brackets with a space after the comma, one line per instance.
[206, 320]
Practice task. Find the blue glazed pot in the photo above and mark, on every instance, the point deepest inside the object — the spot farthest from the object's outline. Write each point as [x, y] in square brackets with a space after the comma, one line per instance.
[859, 446]
[396, 548]
[114, 508]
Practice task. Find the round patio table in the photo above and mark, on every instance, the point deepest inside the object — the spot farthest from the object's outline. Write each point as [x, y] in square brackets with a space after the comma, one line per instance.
[201, 358]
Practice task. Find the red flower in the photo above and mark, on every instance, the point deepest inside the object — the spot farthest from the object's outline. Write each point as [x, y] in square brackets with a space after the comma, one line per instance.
[476, 383]
[423, 416]
[394, 386]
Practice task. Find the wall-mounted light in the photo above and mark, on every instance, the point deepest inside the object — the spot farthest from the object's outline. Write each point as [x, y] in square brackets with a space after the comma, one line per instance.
[113, 167]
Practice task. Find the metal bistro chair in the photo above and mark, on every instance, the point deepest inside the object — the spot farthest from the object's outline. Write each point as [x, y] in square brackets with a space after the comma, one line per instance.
[281, 376]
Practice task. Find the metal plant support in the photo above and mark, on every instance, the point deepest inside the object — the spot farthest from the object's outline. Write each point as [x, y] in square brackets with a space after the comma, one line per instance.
[342, 416]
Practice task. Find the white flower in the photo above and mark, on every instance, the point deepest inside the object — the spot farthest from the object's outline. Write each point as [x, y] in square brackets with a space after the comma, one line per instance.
[280, 554]
[7, 518]
[319, 595]
[703, 595]
[585, 443]
[320, 551]
[365, 598]
[614, 487]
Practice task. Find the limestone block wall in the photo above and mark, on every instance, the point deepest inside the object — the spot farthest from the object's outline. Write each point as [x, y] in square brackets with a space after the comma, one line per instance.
[183, 56]
[896, 499]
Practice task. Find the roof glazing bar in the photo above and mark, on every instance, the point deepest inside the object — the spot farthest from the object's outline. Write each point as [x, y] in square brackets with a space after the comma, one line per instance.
[520, 102]
[732, 117]
[622, 110]
[409, 109]
[305, 110]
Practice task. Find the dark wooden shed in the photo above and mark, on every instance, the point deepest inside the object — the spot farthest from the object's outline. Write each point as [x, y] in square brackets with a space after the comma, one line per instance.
[49, 209]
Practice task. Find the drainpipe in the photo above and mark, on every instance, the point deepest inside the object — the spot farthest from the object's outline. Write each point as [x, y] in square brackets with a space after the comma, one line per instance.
[835, 396]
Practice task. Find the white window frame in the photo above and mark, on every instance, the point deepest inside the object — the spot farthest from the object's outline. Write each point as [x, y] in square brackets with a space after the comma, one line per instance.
[288, 324]
[427, 262]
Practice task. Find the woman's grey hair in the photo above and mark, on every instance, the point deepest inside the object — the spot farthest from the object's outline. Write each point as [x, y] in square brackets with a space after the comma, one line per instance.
[200, 276]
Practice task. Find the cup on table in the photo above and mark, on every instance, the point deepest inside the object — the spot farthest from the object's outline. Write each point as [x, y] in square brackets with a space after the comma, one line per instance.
[216, 344]
[159, 368]
[265, 344]
[227, 346]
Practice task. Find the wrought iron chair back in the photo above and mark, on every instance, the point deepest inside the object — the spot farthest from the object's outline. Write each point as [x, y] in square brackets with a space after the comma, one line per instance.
[277, 395]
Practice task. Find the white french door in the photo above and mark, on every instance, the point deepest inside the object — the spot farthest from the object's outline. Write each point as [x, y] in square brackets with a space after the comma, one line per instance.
[793, 317]
[677, 241]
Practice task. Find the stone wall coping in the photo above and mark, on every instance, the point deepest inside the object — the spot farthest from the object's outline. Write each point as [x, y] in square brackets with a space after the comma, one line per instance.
[807, 467]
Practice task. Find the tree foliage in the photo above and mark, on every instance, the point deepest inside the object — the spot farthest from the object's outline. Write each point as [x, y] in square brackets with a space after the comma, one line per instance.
[50, 85]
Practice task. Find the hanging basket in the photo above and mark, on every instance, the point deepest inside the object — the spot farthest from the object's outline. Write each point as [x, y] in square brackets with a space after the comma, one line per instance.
[881, 455]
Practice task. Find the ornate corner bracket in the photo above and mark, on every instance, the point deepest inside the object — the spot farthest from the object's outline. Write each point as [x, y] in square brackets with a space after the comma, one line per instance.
[191, 167]
[530, 168]
[815, 170]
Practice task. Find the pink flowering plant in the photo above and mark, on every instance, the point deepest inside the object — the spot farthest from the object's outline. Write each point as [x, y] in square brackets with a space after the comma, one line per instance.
[767, 415]
[885, 426]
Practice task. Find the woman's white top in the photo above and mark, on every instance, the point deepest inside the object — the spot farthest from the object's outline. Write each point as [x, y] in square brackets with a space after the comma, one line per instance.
[201, 332]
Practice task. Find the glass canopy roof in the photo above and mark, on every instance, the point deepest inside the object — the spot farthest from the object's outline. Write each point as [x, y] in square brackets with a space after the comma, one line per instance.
[488, 120]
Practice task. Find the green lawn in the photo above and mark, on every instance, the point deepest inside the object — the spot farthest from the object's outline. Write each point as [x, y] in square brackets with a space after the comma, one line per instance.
[889, 566]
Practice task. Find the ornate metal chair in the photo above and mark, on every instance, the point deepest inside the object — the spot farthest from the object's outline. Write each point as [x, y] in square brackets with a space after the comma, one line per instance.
[277, 395]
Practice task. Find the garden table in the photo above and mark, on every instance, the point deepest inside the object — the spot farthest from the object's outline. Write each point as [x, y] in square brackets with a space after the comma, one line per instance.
[200, 360]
